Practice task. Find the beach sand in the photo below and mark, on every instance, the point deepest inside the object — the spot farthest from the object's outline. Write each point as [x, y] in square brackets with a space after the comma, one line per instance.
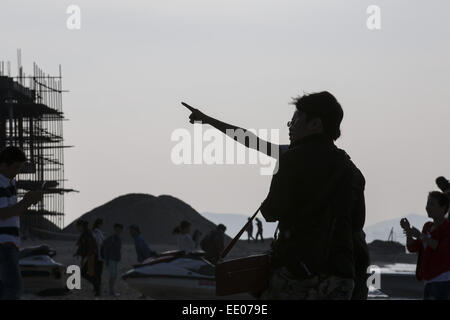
[66, 249]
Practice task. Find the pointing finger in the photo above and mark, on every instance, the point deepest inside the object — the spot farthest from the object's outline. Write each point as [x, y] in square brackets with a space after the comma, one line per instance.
[192, 109]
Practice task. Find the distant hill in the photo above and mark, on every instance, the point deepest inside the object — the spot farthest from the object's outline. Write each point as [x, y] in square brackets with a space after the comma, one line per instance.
[235, 222]
[381, 229]
[156, 217]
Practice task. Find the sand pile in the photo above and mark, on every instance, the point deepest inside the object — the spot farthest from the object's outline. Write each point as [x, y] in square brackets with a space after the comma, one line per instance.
[156, 216]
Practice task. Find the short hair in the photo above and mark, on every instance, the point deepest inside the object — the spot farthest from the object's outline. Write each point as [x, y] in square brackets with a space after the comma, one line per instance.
[443, 183]
[182, 226]
[322, 105]
[82, 223]
[12, 154]
[221, 227]
[97, 223]
[118, 225]
[441, 198]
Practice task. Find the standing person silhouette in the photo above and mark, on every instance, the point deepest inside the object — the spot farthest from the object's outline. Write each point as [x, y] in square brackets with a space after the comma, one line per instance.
[444, 185]
[250, 230]
[12, 160]
[259, 230]
[184, 240]
[112, 247]
[98, 267]
[301, 201]
[433, 247]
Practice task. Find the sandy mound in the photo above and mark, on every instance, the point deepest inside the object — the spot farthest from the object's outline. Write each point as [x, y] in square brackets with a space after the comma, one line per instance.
[156, 216]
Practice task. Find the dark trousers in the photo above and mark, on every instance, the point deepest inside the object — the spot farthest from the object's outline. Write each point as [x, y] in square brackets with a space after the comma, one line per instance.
[97, 279]
[259, 234]
[437, 291]
[361, 291]
[10, 277]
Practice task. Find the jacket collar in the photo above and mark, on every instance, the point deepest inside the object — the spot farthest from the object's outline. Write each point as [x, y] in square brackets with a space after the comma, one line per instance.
[311, 139]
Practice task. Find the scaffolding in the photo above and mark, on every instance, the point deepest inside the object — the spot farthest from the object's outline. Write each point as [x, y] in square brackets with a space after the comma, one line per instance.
[31, 118]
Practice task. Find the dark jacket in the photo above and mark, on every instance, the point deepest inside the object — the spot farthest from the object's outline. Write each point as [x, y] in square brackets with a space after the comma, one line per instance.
[432, 262]
[317, 196]
[213, 244]
[142, 249]
[112, 247]
[87, 246]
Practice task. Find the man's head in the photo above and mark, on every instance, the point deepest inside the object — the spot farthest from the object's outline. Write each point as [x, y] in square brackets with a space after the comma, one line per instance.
[98, 224]
[185, 227]
[118, 229]
[443, 184]
[81, 225]
[134, 230]
[221, 228]
[437, 205]
[11, 161]
[316, 113]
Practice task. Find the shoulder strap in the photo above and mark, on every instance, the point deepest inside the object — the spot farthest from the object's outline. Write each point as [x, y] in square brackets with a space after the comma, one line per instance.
[236, 238]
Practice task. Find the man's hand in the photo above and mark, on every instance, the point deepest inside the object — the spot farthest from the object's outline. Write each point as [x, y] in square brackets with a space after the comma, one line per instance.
[196, 115]
[33, 197]
[415, 232]
[404, 223]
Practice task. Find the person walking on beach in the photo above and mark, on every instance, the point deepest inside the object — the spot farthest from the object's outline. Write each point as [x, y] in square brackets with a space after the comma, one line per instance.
[143, 251]
[87, 251]
[214, 243]
[259, 230]
[307, 169]
[98, 267]
[250, 230]
[184, 240]
[11, 162]
[433, 247]
[112, 251]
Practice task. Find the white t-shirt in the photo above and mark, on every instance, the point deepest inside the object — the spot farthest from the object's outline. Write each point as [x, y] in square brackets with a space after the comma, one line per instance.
[185, 243]
[8, 198]
[99, 238]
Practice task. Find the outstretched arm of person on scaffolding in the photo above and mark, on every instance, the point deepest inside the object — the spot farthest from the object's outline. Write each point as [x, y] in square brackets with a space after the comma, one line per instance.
[241, 135]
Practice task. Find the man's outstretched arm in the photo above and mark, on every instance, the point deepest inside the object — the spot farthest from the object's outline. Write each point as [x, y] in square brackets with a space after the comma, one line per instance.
[250, 141]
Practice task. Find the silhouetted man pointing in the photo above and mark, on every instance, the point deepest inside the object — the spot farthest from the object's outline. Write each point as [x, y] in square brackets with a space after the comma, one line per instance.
[317, 196]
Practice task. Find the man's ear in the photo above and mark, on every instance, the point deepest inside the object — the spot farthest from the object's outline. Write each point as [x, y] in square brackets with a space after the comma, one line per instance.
[316, 125]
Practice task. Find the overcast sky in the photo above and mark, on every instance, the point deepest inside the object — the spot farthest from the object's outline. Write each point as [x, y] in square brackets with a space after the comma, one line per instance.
[132, 62]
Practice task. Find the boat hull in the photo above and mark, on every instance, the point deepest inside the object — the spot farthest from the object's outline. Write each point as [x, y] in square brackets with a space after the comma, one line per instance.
[42, 273]
[166, 288]
[401, 286]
